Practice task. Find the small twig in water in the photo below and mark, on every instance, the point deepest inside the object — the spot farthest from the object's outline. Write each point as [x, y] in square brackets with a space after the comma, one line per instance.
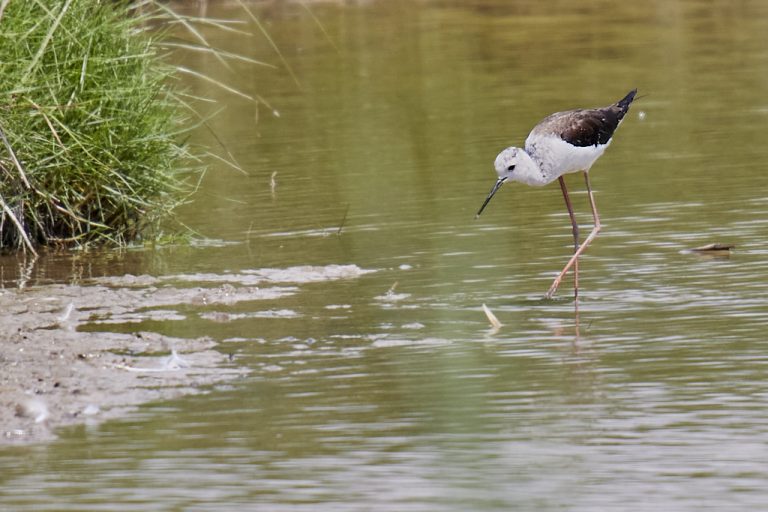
[491, 317]
[272, 43]
[248, 234]
[273, 183]
[713, 247]
[343, 221]
[320, 25]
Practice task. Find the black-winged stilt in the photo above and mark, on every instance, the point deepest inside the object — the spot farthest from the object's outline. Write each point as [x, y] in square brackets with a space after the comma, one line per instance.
[563, 143]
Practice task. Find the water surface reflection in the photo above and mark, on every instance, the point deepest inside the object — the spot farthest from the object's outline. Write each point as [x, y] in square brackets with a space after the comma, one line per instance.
[364, 399]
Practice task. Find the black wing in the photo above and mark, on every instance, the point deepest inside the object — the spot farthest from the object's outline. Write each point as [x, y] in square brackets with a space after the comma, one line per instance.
[587, 127]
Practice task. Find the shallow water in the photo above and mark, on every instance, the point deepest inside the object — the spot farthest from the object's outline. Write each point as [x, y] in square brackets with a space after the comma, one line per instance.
[387, 389]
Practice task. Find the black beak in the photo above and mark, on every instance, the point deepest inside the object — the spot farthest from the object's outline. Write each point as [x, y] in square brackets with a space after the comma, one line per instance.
[496, 187]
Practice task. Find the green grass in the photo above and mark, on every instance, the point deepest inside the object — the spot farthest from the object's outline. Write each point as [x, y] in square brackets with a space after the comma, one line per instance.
[92, 148]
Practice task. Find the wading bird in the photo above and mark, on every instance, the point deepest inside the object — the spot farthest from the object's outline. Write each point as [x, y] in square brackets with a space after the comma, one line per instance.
[563, 143]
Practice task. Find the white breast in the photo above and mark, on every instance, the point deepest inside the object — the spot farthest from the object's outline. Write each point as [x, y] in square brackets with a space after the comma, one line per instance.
[556, 157]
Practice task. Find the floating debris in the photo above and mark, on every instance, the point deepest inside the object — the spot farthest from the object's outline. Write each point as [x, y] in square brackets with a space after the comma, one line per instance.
[343, 220]
[713, 247]
[492, 318]
[175, 362]
[172, 363]
[66, 313]
[391, 296]
[273, 183]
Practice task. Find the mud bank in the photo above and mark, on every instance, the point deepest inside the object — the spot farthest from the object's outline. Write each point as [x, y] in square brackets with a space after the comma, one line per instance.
[54, 374]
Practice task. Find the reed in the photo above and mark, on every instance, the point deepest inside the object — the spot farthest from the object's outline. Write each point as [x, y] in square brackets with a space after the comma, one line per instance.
[92, 127]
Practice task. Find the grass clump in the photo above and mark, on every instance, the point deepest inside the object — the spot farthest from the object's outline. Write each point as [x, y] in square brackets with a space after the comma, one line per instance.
[90, 123]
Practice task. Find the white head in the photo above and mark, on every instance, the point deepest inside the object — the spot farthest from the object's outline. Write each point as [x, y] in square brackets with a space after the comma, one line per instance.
[512, 164]
[507, 161]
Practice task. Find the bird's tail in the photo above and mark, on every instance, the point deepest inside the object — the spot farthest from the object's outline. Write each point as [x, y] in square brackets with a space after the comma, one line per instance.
[625, 102]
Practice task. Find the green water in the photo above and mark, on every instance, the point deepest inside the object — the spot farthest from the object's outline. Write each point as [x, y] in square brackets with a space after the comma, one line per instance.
[654, 396]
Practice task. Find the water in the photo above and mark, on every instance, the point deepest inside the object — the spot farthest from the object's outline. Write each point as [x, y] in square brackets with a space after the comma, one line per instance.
[651, 394]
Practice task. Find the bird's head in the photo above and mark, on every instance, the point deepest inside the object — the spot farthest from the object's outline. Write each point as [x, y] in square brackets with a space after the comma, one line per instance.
[506, 163]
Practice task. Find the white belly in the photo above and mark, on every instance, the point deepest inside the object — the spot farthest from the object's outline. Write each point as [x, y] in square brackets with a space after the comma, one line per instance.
[556, 157]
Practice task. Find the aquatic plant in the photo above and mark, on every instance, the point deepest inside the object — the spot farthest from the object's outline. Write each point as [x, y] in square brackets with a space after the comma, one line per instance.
[91, 127]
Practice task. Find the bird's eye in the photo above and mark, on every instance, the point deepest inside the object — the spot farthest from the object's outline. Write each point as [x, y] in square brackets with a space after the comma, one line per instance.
[511, 167]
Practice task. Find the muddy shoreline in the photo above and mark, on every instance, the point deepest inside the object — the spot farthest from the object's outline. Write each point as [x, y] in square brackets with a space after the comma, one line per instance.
[54, 375]
[59, 370]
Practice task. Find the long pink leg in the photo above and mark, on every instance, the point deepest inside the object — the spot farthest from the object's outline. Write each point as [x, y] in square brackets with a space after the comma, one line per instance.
[575, 227]
[587, 241]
